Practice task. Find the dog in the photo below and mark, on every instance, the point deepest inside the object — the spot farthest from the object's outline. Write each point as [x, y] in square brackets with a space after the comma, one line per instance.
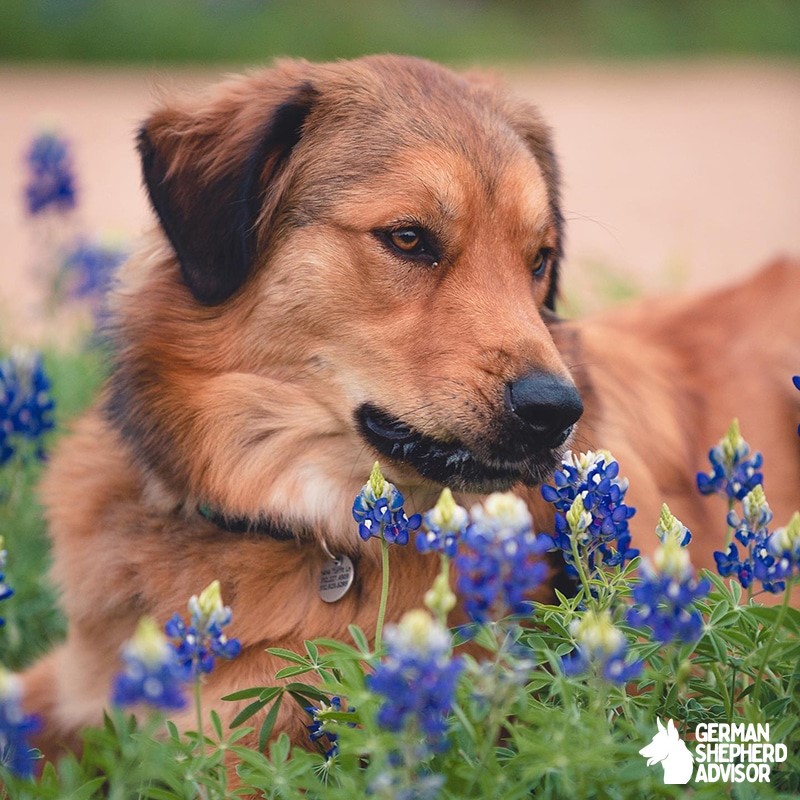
[354, 261]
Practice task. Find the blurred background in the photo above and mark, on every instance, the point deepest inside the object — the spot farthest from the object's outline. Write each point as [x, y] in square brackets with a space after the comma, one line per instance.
[677, 123]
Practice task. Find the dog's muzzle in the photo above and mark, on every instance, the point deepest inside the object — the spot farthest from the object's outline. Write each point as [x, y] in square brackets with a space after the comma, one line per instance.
[537, 416]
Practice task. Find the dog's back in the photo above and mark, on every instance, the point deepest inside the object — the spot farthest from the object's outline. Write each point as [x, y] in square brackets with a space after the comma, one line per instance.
[669, 375]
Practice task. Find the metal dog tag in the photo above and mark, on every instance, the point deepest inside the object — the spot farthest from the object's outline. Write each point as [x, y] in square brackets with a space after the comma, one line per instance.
[336, 579]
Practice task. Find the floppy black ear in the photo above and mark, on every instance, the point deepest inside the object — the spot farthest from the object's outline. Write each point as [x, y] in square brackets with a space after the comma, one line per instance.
[208, 174]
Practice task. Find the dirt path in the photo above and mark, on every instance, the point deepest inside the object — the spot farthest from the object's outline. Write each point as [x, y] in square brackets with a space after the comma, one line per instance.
[674, 174]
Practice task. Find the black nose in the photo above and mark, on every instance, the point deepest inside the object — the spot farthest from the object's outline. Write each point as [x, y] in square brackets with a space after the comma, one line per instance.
[549, 405]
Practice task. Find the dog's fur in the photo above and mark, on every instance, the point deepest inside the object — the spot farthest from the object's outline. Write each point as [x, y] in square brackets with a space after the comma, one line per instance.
[267, 310]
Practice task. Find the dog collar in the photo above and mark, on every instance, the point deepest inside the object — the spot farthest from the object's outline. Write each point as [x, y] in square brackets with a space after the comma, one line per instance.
[261, 526]
[336, 574]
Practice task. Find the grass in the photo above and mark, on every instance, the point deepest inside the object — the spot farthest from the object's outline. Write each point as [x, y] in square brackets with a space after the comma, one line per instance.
[202, 31]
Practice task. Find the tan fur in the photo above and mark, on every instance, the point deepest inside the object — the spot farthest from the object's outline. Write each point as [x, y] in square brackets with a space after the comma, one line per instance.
[248, 404]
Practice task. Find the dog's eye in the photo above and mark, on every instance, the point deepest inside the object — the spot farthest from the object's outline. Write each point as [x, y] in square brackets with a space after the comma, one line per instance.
[407, 240]
[411, 242]
[540, 262]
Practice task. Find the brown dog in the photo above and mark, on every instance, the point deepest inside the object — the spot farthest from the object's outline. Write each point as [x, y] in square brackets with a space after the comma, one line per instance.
[359, 260]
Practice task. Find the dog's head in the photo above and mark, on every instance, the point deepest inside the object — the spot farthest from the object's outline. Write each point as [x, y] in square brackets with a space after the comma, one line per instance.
[369, 250]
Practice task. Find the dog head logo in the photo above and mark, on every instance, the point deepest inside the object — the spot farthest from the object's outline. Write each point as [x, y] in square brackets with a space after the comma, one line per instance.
[668, 748]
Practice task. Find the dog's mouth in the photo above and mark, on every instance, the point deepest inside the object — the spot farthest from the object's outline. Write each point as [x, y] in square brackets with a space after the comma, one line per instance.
[452, 463]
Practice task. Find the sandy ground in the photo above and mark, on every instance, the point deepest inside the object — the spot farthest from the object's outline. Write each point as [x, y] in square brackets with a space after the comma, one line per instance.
[675, 175]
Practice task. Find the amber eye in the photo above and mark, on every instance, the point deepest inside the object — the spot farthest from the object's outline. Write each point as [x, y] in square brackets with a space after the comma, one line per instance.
[407, 240]
[411, 242]
[540, 262]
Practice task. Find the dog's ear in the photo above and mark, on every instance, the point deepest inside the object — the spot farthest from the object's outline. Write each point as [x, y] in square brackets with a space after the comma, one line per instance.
[526, 120]
[209, 171]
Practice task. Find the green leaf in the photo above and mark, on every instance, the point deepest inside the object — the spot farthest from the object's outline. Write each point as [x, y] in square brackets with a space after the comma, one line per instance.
[245, 694]
[155, 793]
[247, 712]
[89, 788]
[290, 672]
[280, 749]
[313, 651]
[723, 615]
[287, 655]
[359, 637]
[269, 723]
[310, 693]
[339, 647]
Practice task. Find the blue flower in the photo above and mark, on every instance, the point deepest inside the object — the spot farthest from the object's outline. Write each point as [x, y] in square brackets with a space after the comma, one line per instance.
[152, 673]
[600, 646]
[443, 526]
[378, 510]
[51, 183]
[500, 562]
[322, 724]
[667, 588]
[752, 525]
[605, 537]
[761, 558]
[734, 472]
[5, 590]
[777, 559]
[26, 406]
[417, 679]
[202, 639]
[91, 267]
[16, 754]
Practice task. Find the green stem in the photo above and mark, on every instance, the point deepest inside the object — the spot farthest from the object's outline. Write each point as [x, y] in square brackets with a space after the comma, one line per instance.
[384, 594]
[771, 643]
[573, 541]
[198, 707]
[723, 689]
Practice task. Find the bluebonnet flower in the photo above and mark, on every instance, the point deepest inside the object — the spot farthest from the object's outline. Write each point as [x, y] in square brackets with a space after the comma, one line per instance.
[443, 525]
[91, 267]
[667, 588]
[202, 639]
[779, 559]
[5, 590]
[152, 673]
[323, 724]
[752, 525]
[734, 472]
[417, 679]
[51, 182]
[499, 563]
[604, 538]
[601, 646]
[16, 754]
[760, 559]
[26, 406]
[378, 510]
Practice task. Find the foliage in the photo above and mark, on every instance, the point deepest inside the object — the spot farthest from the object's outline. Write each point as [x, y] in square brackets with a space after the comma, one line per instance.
[521, 722]
[446, 30]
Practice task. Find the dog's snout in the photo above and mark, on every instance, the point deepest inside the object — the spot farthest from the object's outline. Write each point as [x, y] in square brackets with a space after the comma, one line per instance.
[546, 403]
